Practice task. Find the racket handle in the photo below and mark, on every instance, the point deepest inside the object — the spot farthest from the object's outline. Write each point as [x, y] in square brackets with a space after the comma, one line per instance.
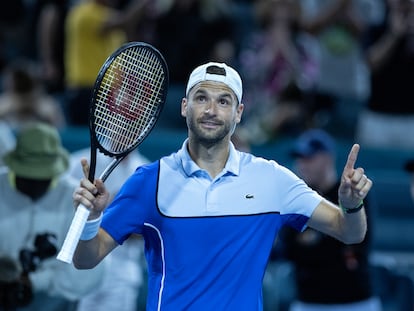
[73, 235]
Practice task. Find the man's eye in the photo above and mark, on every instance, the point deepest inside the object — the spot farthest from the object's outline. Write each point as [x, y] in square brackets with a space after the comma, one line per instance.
[224, 102]
[201, 98]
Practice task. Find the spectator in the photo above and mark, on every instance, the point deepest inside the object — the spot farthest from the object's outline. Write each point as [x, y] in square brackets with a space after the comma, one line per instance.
[279, 73]
[192, 20]
[343, 81]
[24, 100]
[35, 216]
[328, 274]
[50, 41]
[94, 29]
[390, 112]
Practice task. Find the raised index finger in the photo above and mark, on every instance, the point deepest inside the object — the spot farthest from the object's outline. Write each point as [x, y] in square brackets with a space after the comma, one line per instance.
[352, 157]
[85, 167]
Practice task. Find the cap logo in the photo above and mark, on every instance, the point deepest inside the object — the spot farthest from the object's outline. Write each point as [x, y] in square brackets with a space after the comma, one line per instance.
[216, 70]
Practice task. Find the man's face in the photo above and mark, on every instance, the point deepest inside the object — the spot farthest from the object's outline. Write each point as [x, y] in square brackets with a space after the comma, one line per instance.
[313, 169]
[212, 112]
[33, 188]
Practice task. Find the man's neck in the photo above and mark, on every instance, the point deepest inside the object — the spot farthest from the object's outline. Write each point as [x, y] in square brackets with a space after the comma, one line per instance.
[210, 158]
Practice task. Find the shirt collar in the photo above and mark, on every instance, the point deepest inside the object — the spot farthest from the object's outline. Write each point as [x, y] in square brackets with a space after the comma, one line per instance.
[190, 167]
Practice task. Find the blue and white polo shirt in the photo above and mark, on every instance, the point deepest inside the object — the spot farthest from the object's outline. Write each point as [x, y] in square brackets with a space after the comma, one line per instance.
[207, 241]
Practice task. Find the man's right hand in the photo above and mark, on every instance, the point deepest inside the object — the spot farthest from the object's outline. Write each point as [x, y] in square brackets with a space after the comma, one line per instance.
[94, 196]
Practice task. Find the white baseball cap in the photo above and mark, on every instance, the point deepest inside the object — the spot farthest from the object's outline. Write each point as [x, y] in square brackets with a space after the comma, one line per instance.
[219, 72]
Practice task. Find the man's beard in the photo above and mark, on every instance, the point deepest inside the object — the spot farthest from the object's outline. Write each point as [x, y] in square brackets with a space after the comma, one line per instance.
[205, 137]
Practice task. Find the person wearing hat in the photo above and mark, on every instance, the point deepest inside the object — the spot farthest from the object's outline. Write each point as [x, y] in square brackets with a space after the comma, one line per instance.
[35, 214]
[327, 273]
[209, 213]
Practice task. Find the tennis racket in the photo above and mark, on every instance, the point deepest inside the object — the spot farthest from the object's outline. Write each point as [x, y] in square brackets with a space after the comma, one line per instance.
[128, 96]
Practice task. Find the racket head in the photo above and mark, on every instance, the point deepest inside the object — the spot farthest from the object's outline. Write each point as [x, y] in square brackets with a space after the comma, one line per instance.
[129, 94]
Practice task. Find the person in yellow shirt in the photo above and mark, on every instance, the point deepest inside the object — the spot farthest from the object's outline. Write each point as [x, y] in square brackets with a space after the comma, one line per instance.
[93, 29]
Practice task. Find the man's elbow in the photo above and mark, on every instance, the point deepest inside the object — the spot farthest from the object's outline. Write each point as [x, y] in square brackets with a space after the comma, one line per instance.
[83, 264]
[354, 238]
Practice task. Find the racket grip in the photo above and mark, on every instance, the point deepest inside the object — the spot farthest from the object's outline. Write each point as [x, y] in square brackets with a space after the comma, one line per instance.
[73, 234]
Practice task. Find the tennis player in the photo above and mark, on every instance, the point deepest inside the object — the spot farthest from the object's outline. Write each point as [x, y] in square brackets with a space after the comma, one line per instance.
[209, 213]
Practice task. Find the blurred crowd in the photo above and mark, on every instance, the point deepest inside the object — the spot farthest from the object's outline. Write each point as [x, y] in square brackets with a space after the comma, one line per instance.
[342, 66]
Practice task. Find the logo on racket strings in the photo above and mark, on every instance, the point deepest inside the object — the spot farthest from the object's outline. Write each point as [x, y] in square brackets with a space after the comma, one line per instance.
[128, 95]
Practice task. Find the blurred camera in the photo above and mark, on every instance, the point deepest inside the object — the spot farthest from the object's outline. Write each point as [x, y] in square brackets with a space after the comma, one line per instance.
[45, 247]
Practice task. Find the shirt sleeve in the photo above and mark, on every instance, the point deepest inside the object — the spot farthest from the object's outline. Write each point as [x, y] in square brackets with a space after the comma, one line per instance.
[132, 205]
[298, 200]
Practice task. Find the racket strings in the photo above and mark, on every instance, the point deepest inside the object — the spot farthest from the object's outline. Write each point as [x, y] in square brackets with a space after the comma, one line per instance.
[128, 99]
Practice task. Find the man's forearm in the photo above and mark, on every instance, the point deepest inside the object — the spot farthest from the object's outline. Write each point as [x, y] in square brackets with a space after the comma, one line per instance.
[87, 253]
[353, 226]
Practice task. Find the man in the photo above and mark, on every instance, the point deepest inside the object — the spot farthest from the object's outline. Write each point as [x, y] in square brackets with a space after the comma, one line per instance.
[209, 213]
[328, 273]
[35, 213]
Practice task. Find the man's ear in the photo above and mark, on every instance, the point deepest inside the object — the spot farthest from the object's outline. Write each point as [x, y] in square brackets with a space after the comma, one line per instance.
[239, 112]
[184, 103]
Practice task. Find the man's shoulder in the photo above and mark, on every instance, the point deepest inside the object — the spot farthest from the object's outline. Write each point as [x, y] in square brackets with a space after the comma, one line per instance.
[258, 162]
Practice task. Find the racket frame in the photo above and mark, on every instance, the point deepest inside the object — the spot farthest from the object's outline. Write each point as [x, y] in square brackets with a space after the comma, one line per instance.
[95, 144]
